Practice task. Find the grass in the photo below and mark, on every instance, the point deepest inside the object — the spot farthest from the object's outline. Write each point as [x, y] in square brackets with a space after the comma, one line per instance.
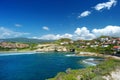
[89, 73]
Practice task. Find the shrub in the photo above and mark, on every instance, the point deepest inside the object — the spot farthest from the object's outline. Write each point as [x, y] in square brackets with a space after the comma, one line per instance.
[90, 73]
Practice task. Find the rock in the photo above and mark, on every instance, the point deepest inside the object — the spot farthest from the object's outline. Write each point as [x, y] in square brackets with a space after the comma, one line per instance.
[88, 54]
[50, 48]
[114, 75]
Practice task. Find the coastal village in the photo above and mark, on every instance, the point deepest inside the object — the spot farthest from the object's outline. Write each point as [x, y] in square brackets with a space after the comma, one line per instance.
[10, 46]
[13, 45]
[103, 44]
[60, 40]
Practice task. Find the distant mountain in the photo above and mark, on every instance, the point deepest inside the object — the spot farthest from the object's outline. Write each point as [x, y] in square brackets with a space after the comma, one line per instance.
[25, 40]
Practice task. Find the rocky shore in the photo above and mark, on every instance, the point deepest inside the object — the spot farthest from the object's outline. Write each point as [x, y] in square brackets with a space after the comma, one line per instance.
[114, 75]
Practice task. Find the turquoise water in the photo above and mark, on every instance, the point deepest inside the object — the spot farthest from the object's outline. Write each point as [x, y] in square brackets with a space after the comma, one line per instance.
[36, 66]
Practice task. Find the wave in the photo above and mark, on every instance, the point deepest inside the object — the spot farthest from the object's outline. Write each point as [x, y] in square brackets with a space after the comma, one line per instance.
[91, 61]
[69, 55]
[19, 53]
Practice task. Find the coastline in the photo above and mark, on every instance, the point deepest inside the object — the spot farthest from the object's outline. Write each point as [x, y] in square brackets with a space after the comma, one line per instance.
[112, 74]
[76, 54]
[15, 51]
[97, 55]
[107, 70]
[8, 53]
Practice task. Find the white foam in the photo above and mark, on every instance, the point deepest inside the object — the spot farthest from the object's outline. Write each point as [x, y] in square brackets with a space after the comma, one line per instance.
[70, 55]
[89, 61]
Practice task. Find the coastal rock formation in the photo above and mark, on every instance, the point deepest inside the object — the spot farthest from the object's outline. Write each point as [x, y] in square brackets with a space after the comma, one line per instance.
[115, 75]
[50, 47]
[88, 54]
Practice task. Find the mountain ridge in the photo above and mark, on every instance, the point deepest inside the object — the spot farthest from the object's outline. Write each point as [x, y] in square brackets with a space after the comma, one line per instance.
[24, 40]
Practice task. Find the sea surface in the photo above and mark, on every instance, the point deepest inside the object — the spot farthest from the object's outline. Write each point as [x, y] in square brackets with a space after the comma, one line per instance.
[39, 66]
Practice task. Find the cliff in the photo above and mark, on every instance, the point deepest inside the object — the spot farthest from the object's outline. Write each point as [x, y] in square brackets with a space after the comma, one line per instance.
[50, 47]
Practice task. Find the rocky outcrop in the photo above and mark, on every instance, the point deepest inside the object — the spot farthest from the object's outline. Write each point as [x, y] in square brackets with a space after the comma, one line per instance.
[88, 54]
[50, 47]
[114, 75]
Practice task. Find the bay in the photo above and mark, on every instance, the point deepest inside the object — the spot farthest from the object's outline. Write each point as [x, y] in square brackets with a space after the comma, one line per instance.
[37, 66]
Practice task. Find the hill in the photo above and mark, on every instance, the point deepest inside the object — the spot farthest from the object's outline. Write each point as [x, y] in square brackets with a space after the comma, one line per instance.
[25, 40]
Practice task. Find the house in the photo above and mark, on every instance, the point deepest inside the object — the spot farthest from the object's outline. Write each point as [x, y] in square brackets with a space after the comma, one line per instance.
[64, 43]
[94, 46]
[116, 48]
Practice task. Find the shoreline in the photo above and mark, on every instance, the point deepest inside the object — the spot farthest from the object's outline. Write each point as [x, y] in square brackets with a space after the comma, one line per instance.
[76, 54]
[97, 55]
[15, 51]
[108, 70]
[113, 74]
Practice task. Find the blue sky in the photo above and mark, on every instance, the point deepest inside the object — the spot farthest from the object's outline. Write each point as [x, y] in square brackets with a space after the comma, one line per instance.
[55, 19]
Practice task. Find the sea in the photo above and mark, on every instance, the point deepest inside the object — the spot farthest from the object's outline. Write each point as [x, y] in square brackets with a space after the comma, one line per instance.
[40, 66]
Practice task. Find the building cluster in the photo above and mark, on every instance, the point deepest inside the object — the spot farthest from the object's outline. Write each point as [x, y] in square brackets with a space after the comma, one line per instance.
[13, 45]
[105, 42]
[101, 42]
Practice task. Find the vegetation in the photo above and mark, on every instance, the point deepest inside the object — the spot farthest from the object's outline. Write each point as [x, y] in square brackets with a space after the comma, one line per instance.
[4, 49]
[78, 45]
[103, 44]
[90, 73]
[32, 46]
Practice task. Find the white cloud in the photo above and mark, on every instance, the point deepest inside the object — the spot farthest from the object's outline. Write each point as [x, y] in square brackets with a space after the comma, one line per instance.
[84, 14]
[66, 35]
[50, 37]
[18, 25]
[108, 31]
[34, 37]
[45, 28]
[105, 5]
[7, 33]
[79, 33]
[83, 33]
[98, 7]
[86, 34]
[55, 37]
